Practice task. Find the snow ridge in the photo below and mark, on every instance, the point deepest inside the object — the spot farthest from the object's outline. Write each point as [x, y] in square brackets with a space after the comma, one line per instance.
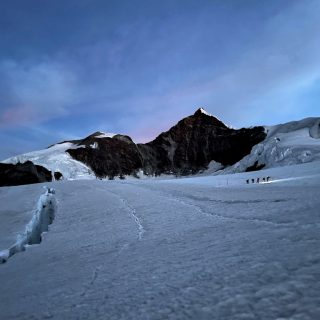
[39, 223]
[205, 112]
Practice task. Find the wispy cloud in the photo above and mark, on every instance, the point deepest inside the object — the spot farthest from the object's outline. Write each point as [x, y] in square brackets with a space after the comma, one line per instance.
[138, 71]
[35, 92]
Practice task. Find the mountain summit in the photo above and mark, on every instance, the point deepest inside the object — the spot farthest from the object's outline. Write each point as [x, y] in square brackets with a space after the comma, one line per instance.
[186, 148]
[202, 113]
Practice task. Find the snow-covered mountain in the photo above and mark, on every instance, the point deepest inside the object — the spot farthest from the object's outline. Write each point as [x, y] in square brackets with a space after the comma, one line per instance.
[196, 143]
[186, 148]
[286, 144]
[55, 158]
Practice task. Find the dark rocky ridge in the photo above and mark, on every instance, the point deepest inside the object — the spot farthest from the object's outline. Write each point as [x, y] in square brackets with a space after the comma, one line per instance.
[186, 148]
[23, 173]
[109, 157]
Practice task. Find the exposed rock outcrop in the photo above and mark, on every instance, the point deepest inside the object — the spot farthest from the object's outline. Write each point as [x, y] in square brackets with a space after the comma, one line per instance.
[109, 156]
[23, 173]
[193, 142]
[58, 175]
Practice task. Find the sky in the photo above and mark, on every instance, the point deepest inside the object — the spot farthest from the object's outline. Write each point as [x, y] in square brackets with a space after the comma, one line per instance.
[69, 68]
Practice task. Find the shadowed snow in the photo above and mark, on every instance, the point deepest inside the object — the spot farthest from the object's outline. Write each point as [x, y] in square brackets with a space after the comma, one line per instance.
[212, 248]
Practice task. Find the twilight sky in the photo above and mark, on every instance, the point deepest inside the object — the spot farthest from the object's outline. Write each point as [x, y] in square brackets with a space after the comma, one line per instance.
[72, 67]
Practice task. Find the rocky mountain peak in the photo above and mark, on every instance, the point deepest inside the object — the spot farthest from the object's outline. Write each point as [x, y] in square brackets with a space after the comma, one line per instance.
[201, 113]
[187, 147]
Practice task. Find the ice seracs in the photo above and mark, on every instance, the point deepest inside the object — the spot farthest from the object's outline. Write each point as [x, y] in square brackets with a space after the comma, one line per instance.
[42, 217]
[286, 144]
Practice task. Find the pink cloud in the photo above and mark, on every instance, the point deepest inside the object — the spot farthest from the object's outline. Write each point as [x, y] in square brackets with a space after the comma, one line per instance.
[17, 116]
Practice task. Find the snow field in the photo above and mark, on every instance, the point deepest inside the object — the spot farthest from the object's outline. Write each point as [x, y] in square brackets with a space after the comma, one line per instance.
[208, 251]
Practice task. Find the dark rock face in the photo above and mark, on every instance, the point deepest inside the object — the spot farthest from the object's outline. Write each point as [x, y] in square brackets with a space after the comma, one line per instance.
[255, 167]
[58, 175]
[194, 141]
[23, 173]
[186, 148]
[109, 157]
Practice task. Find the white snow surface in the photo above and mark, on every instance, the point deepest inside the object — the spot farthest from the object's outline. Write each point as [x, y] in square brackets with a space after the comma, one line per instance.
[205, 112]
[55, 158]
[209, 114]
[105, 135]
[209, 247]
[286, 144]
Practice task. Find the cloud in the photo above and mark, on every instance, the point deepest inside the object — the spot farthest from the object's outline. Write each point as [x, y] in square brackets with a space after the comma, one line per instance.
[138, 74]
[263, 79]
[34, 92]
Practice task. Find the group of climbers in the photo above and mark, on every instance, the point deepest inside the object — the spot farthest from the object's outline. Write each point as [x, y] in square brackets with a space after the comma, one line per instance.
[259, 180]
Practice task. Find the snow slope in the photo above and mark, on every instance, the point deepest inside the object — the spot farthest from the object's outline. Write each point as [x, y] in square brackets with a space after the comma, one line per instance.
[196, 248]
[55, 158]
[286, 144]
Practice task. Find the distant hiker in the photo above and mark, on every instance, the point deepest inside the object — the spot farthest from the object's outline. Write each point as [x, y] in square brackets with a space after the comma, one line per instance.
[258, 180]
[247, 181]
[268, 178]
[252, 180]
[264, 179]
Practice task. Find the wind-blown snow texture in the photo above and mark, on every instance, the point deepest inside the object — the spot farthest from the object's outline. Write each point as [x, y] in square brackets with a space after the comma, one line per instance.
[197, 248]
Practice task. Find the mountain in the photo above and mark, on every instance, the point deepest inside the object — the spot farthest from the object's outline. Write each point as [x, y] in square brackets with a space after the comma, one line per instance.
[194, 144]
[187, 147]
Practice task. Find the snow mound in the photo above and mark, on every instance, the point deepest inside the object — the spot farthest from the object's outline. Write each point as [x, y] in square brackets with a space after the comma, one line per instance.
[55, 158]
[286, 144]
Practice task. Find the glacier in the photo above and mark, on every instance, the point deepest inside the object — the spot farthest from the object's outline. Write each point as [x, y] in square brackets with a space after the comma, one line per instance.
[205, 247]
